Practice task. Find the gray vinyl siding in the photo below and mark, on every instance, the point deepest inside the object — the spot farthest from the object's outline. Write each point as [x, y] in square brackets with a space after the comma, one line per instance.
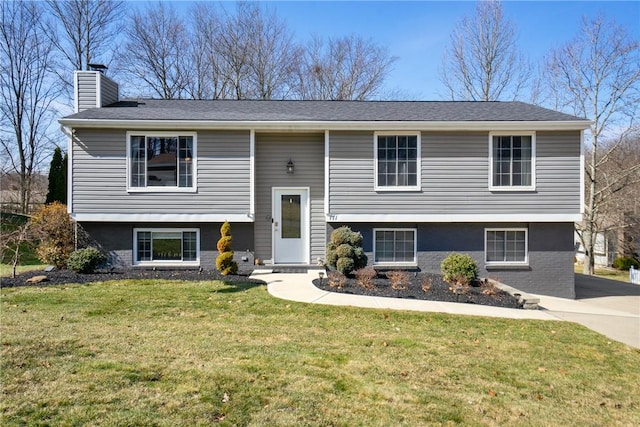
[108, 91]
[455, 177]
[273, 151]
[87, 90]
[100, 176]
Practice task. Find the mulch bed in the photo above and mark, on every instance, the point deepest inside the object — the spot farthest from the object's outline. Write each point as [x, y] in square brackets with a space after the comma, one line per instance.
[62, 277]
[440, 291]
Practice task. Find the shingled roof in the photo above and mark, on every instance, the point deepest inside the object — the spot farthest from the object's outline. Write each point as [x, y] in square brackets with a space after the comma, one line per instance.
[321, 111]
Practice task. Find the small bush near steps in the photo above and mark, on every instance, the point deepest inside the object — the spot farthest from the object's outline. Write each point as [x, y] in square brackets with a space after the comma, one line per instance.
[85, 260]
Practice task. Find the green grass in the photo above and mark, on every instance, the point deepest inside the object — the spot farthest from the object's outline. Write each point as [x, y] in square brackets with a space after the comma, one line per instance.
[184, 353]
[7, 269]
[606, 273]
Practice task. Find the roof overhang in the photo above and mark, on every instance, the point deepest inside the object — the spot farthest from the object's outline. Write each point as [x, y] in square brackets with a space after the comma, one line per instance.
[326, 125]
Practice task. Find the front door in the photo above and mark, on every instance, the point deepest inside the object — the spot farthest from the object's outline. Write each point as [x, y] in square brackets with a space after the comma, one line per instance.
[290, 225]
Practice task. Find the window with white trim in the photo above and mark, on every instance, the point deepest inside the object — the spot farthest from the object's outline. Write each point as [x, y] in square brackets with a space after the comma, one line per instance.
[166, 246]
[512, 161]
[506, 246]
[394, 246]
[397, 158]
[161, 161]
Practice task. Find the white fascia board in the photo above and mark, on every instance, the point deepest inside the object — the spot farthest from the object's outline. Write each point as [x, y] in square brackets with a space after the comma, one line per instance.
[328, 125]
[446, 218]
[147, 217]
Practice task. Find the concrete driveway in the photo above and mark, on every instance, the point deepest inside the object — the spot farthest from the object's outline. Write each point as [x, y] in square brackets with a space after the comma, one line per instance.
[609, 307]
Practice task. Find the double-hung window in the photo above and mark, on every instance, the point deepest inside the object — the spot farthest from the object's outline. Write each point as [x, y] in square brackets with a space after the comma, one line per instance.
[166, 246]
[506, 246]
[512, 160]
[161, 161]
[394, 246]
[397, 161]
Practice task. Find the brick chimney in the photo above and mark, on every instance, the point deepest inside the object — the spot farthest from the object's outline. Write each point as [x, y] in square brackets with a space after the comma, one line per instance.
[92, 89]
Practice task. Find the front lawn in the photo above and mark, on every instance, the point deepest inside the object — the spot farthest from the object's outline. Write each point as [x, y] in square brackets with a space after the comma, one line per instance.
[606, 273]
[146, 352]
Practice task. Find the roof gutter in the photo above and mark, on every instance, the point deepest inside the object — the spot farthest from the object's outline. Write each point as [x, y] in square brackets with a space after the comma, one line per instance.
[326, 125]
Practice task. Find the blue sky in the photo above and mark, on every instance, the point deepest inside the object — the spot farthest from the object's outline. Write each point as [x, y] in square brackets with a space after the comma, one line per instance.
[417, 32]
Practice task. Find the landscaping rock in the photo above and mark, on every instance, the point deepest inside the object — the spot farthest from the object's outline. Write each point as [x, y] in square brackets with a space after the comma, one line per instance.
[37, 279]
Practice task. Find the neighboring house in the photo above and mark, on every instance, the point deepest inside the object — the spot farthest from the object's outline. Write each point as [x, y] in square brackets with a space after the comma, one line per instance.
[152, 181]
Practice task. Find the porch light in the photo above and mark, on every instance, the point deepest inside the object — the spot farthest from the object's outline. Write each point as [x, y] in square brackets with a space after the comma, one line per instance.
[290, 167]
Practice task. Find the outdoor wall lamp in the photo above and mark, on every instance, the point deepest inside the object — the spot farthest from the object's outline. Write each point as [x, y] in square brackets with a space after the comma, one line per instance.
[290, 167]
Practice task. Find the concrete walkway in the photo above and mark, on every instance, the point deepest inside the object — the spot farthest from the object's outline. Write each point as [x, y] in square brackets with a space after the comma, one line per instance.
[615, 316]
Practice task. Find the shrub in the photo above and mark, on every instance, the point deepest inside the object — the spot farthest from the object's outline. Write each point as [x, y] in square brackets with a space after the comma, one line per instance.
[426, 284]
[224, 262]
[399, 279]
[345, 265]
[488, 288]
[344, 250]
[459, 269]
[336, 280]
[366, 276]
[54, 229]
[625, 263]
[86, 260]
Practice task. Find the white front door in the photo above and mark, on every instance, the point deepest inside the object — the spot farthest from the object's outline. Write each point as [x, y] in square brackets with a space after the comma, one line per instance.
[290, 225]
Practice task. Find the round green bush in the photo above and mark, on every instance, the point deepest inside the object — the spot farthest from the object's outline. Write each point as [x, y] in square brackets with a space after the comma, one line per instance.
[341, 235]
[86, 260]
[360, 258]
[459, 268]
[345, 251]
[355, 239]
[345, 265]
[345, 245]
[625, 263]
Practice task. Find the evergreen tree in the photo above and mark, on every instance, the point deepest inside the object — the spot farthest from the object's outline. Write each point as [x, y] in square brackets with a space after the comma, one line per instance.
[57, 178]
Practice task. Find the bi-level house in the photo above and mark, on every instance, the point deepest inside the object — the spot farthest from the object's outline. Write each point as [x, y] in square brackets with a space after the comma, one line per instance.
[152, 180]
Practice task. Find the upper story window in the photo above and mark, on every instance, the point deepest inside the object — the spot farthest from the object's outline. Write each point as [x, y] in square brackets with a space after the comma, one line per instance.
[512, 159]
[161, 161]
[397, 161]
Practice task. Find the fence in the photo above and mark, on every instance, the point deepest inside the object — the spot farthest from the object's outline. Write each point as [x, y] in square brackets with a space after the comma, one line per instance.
[634, 276]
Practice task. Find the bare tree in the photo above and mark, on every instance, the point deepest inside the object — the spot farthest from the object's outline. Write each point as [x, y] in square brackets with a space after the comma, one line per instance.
[598, 74]
[84, 31]
[15, 239]
[273, 54]
[346, 68]
[27, 93]
[207, 81]
[157, 51]
[234, 48]
[617, 189]
[482, 62]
